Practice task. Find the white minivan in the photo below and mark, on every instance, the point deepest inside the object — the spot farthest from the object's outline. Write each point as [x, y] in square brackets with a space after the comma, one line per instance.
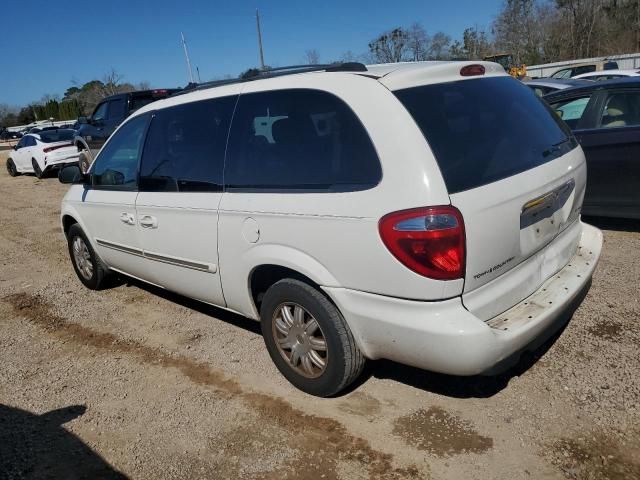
[427, 213]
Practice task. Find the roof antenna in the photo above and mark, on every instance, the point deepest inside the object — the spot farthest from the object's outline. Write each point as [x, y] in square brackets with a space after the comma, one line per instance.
[186, 54]
[259, 40]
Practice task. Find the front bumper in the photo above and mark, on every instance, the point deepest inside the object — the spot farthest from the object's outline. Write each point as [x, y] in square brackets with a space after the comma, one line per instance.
[445, 337]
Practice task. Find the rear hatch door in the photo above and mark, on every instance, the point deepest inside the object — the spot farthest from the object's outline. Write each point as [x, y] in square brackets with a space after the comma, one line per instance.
[517, 175]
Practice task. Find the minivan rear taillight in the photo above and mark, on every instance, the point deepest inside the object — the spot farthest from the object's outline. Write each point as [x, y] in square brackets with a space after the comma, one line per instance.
[430, 241]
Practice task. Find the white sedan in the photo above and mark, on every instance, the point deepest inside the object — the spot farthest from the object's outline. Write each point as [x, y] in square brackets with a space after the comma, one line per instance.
[41, 152]
[608, 74]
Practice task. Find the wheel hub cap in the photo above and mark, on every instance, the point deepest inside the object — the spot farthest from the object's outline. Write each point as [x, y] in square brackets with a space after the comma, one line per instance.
[82, 258]
[300, 340]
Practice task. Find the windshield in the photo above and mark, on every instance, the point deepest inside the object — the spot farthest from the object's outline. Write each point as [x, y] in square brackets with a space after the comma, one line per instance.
[61, 135]
[484, 130]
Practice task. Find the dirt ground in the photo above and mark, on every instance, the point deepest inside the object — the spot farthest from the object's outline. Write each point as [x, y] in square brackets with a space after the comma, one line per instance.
[134, 382]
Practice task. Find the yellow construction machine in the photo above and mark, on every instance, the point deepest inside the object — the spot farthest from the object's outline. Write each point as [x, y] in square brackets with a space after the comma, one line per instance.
[506, 60]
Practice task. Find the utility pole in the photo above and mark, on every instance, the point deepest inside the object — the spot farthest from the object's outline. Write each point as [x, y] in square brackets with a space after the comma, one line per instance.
[259, 40]
[186, 54]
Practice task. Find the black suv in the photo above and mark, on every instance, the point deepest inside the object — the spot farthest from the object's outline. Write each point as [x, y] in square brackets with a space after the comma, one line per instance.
[94, 131]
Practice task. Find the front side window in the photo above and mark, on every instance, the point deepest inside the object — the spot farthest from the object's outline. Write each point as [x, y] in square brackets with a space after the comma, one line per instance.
[116, 109]
[571, 111]
[100, 112]
[22, 143]
[299, 140]
[565, 73]
[31, 142]
[117, 164]
[621, 110]
[185, 147]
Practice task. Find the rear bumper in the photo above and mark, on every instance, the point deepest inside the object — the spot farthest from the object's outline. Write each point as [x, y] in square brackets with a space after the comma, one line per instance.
[445, 337]
[59, 162]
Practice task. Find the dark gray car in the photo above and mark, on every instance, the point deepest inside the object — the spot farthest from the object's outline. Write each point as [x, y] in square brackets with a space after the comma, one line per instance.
[605, 118]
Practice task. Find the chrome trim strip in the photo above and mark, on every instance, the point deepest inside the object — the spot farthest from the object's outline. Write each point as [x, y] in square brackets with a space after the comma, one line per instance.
[202, 267]
[121, 248]
[180, 263]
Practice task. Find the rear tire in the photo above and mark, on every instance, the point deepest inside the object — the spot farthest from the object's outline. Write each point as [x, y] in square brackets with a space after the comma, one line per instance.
[327, 358]
[90, 269]
[36, 168]
[11, 168]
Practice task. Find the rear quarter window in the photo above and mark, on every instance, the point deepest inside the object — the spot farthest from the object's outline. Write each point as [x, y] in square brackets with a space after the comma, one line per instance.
[484, 130]
[299, 140]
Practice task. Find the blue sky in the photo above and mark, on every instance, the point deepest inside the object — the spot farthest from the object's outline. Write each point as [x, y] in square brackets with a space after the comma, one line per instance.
[54, 42]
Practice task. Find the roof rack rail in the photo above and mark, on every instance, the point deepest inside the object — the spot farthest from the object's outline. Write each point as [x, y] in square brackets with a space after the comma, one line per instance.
[277, 72]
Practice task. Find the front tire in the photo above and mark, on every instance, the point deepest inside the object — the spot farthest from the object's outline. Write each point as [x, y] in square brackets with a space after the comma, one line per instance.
[91, 271]
[308, 339]
[11, 168]
[36, 168]
[84, 161]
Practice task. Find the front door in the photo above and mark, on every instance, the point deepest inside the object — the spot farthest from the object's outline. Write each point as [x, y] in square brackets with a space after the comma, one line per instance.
[108, 204]
[22, 155]
[180, 190]
[93, 132]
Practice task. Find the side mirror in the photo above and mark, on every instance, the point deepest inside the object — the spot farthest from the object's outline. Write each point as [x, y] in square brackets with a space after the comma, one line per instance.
[15, 147]
[560, 113]
[71, 174]
[83, 120]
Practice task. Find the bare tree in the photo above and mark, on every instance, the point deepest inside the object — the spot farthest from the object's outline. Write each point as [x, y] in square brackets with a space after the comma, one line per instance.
[111, 81]
[475, 44]
[349, 56]
[312, 56]
[515, 28]
[418, 42]
[439, 46]
[391, 46]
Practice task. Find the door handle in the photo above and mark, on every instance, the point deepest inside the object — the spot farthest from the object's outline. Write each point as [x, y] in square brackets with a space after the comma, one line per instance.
[147, 221]
[127, 218]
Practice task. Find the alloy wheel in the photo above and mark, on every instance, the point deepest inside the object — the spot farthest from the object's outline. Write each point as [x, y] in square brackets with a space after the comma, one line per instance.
[82, 257]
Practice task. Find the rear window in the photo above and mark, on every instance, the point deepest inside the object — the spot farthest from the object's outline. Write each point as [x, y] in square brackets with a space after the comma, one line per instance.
[484, 130]
[50, 136]
[140, 101]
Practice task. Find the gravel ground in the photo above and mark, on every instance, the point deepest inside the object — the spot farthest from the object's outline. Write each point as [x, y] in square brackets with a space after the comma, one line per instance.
[135, 382]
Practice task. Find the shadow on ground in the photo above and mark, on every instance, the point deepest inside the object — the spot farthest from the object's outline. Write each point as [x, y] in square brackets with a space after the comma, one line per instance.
[618, 224]
[204, 308]
[37, 446]
[479, 386]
